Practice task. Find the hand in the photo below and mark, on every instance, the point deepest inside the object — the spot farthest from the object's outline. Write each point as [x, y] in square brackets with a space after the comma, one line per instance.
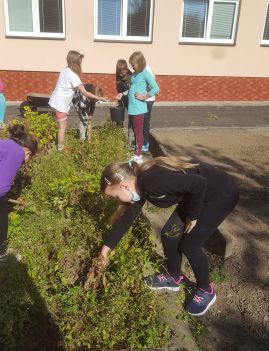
[140, 96]
[103, 98]
[190, 224]
[119, 96]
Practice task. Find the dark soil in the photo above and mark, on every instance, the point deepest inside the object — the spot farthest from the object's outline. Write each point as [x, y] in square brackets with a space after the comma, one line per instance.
[239, 320]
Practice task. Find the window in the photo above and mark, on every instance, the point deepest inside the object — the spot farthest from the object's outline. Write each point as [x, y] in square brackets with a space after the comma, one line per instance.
[265, 38]
[209, 21]
[35, 18]
[124, 20]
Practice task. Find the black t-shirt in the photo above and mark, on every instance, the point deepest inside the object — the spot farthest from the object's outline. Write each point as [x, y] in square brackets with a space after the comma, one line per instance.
[164, 188]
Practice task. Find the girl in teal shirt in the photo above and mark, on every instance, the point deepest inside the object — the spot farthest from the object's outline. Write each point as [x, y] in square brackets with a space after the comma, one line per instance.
[143, 86]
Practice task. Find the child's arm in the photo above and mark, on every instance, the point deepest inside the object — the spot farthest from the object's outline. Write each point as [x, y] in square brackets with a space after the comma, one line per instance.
[90, 95]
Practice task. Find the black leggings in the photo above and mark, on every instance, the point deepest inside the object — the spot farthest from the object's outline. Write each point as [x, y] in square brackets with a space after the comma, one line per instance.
[3, 225]
[175, 242]
[146, 128]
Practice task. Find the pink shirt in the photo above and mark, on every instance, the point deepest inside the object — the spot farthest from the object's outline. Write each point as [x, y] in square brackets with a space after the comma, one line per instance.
[1, 86]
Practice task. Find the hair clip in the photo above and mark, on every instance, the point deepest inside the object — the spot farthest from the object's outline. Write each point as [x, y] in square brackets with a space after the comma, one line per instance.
[107, 181]
[119, 176]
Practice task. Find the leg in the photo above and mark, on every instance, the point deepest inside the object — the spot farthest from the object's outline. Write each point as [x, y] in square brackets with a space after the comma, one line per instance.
[146, 128]
[212, 215]
[2, 108]
[82, 130]
[138, 122]
[61, 118]
[171, 235]
[131, 137]
[3, 225]
[89, 129]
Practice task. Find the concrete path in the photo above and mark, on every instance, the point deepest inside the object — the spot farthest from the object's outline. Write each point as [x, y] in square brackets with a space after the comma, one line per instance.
[185, 115]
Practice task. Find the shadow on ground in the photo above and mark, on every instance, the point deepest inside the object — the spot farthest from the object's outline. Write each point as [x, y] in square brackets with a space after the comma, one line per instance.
[25, 322]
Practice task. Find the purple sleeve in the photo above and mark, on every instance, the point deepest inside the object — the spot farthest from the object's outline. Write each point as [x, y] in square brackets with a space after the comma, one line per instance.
[11, 158]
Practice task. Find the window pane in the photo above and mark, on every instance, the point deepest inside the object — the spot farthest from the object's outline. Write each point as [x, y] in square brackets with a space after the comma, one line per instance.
[20, 15]
[194, 18]
[51, 16]
[222, 20]
[266, 28]
[138, 18]
[109, 17]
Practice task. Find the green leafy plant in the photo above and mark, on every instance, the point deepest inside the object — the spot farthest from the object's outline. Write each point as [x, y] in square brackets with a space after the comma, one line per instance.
[42, 126]
[58, 235]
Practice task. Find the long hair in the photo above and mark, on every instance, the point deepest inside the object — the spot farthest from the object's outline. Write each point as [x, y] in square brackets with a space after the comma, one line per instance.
[21, 137]
[138, 57]
[115, 172]
[74, 59]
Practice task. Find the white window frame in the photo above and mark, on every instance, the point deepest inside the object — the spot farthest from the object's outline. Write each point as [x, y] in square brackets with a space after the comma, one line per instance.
[208, 24]
[123, 26]
[263, 41]
[36, 24]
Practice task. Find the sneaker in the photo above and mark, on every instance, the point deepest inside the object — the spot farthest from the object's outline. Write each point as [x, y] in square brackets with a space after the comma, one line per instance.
[137, 159]
[202, 301]
[60, 147]
[163, 281]
[145, 147]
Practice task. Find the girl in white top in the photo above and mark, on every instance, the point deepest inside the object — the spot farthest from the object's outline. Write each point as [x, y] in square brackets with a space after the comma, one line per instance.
[61, 98]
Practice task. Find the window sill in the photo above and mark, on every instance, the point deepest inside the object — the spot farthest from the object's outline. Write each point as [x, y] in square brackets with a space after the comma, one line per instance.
[265, 43]
[35, 36]
[206, 42]
[123, 40]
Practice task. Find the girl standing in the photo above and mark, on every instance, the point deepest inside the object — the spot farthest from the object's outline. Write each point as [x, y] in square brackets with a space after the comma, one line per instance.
[13, 153]
[69, 80]
[143, 86]
[2, 103]
[123, 80]
[204, 195]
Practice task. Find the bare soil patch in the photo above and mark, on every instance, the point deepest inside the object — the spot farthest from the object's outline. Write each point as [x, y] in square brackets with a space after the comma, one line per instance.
[239, 321]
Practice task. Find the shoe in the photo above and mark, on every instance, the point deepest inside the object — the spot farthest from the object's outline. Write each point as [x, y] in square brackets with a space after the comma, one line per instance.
[3, 258]
[145, 147]
[137, 159]
[60, 147]
[201, 302]
[163, 281]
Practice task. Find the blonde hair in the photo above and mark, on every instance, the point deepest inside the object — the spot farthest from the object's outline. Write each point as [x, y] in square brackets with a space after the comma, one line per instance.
[74, 59]
[115, 172]
[138, 57]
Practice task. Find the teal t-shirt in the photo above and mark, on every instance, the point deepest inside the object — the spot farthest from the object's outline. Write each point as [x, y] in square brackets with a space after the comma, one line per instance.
[140, 82]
